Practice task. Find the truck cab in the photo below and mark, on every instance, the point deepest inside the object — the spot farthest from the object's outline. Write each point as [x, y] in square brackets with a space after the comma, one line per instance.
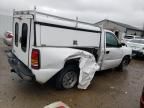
[115, 52]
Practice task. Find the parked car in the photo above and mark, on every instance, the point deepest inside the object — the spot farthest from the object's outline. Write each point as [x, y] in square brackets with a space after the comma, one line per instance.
[142, 99]
[8, 38]
[47, 46]
[137, 46]
[131, 37]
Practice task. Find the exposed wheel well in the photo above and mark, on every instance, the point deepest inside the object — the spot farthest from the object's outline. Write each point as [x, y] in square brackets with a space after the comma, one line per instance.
[72, 62]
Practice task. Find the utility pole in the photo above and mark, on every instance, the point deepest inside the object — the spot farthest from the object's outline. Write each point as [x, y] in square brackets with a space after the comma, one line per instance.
[143, 31]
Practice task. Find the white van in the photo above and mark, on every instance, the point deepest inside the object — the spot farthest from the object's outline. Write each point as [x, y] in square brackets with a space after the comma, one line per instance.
[43, 45]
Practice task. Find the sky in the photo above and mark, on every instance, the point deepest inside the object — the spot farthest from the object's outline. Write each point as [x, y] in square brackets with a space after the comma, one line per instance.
[125, 11]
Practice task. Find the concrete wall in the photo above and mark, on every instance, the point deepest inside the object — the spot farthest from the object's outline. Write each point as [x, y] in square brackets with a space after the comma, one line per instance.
[5, 24]
[113, 27]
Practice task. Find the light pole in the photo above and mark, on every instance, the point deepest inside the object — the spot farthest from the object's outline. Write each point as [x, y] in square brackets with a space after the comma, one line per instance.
[143, 31]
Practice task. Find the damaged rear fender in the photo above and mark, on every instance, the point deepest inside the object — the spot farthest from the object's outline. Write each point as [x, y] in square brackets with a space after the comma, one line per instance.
[55, 59]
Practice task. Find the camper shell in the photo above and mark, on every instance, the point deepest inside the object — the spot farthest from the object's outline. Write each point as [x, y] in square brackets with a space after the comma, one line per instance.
[47, 30]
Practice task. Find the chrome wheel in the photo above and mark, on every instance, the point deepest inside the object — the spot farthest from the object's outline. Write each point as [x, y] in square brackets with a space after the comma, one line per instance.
[69, 80]
[125, 62]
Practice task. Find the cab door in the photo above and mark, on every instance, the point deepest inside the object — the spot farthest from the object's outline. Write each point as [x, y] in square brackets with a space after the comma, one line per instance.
[22, 38]
[113, 52]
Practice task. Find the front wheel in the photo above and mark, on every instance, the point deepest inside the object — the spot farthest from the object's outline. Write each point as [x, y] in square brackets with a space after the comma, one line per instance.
[124, 63]
[67, 78]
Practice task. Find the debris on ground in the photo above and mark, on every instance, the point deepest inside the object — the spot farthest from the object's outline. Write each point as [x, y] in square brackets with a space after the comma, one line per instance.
[116, 89]
[112, 87]
[58, 104]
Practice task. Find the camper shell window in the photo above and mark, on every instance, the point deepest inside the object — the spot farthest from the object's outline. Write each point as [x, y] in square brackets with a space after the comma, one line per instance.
[24, 37]
[16, 33]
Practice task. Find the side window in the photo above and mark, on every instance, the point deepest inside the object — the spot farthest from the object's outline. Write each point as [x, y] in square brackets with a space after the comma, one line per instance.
[111, 40]
[16, 33]
[24, 37]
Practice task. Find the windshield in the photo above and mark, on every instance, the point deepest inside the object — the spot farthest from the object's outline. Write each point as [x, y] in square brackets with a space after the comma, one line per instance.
[138, 41]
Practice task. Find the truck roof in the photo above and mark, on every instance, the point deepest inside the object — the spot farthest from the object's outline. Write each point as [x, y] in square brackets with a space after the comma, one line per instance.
[43, 17]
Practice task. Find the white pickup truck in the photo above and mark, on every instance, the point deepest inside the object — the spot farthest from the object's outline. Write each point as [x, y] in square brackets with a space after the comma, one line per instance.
[44, 44]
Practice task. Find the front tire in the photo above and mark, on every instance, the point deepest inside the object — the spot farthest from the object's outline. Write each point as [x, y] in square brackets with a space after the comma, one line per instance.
[124, 63]
[67, 78]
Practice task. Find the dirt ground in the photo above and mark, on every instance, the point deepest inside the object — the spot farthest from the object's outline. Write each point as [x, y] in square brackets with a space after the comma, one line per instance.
[109, 89]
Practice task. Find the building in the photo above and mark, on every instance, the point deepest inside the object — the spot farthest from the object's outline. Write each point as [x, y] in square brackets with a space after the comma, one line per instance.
[5, 24]
[119, 29]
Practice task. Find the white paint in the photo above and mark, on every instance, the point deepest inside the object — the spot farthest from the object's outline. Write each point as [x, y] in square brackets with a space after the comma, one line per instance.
[22, 55]
[52, 36]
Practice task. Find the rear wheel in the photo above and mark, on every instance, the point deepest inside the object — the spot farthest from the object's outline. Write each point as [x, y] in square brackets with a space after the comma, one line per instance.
[67, 78]
[124, 63]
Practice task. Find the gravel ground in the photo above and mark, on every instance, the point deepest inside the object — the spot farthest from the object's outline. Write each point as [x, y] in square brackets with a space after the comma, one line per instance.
[109, 89]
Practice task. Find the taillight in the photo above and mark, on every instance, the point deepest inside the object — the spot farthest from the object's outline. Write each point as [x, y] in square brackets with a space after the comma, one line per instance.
[9, 35]
[35, 59]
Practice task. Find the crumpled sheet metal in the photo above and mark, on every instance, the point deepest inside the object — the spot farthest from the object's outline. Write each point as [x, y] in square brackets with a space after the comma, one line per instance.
[88, 67]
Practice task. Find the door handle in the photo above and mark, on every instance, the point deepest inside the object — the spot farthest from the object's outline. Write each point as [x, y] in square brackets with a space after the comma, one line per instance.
[107, 52]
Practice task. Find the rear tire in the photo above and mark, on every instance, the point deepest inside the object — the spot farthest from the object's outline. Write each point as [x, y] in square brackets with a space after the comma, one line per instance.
[124, 63]
[67, 78]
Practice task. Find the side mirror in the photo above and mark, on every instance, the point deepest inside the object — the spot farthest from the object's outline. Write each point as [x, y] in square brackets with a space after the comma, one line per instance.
[123, 44]
[120, 45]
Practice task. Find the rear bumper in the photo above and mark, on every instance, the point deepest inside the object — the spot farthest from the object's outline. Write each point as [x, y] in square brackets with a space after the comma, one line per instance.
[41, 76]
[19, 68]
